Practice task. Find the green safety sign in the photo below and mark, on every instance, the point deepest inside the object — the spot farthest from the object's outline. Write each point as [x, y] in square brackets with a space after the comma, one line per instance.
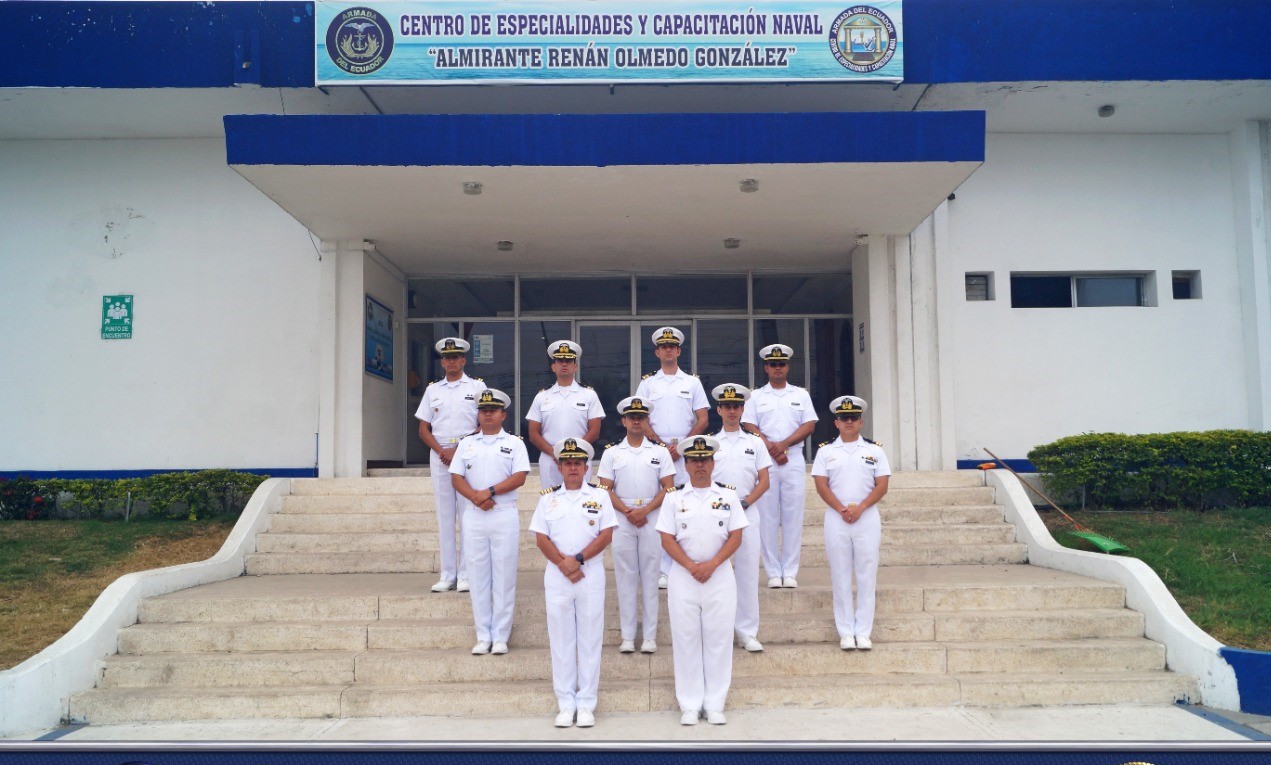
[116, 317]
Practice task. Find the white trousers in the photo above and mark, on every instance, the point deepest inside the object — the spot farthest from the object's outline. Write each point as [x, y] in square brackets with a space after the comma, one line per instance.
[746, 570]
[702, 618]
[549, 474]
[781, 517]
[636, 553]
[449, 520]
[853, 549]
[491, 546]
[575, 630]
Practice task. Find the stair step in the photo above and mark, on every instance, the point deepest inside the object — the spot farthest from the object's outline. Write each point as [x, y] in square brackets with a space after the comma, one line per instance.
[239, 669]
[1070, 689]
[187, 637]
[1038, 625]
[1131, 654]
[112, 706]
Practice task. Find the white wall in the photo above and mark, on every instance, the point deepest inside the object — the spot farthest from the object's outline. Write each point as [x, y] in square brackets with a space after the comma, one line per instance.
[1159, 203]
[221, 370]
[384, 403]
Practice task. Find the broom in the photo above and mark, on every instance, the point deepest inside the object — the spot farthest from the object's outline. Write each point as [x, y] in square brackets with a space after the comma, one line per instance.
[1106, 544]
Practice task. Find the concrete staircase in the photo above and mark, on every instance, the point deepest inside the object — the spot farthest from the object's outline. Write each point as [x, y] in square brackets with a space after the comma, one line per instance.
[335, 620]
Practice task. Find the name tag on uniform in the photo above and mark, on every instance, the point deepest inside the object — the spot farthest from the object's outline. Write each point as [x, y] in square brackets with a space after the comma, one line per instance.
[580, 404]
[796, 404]
[655, 461]
[592, 506]
[751, 452]
[470, 397]
[505, 449]
[869, 460]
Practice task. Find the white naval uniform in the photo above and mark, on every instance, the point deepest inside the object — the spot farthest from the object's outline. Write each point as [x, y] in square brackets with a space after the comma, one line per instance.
[852, 468]
[491, 538]
[575, 611]
[702, 614]
[636, 472]
[675, 400]
[778, 413]
[451, 409]
[563, 413]
[740, 458]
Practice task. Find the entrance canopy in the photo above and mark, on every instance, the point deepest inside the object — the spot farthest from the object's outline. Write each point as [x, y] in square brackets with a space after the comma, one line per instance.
[630, 192]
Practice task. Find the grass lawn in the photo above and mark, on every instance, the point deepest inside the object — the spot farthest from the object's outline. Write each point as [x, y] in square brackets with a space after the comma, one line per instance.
[52, 571]
[1216, 563]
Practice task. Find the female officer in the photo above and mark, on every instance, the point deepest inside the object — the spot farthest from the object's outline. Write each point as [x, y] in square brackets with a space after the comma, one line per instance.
[701, 528]
[851, 475]
[572, 526]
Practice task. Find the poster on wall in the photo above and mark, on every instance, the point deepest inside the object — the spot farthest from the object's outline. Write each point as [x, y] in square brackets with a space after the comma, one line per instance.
[609, 41]
[116, 317]
[379, 339]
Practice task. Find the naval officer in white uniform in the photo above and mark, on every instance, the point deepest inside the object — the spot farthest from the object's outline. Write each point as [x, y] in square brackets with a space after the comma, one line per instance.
[487, 470]
[679, 406]
[851, 474]
[572, 526]
[637, 472]
[565, 410]
[447, 413]
[783, 416]
[701, 527]
[743, 463]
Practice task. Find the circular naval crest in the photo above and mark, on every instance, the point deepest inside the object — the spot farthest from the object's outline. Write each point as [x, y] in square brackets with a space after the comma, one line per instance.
[359, 40]
[863, 39]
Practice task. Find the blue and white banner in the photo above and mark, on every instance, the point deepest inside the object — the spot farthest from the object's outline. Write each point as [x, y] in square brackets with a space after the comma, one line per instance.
[521, 41]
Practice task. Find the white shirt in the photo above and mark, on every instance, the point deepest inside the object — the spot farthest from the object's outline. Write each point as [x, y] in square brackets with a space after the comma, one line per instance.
[701, 519]
[853, 467]
[740, 458]
[779, 411]
[451, 408]
[564, 412]
[675, 400]
[486, 460]
[573, 519]
[636, 471]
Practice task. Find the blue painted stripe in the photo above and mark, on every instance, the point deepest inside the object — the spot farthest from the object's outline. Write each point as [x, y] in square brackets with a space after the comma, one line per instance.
[66, 43]
[155, 44]
[305, 472]
[1019, 465]
[1217, 718]
[598, 140]
[1253, 678]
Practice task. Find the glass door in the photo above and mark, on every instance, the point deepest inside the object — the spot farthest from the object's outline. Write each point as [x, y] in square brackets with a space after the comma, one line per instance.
[606, 366]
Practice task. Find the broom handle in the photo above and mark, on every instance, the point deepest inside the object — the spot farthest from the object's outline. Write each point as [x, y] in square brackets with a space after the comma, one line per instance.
[1036, 491]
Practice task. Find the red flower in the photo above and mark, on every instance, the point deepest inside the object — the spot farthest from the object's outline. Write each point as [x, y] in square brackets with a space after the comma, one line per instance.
[38, 499]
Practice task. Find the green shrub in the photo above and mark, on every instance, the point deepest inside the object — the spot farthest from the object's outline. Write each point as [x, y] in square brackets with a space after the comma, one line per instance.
[191, 495]
[1160, 470]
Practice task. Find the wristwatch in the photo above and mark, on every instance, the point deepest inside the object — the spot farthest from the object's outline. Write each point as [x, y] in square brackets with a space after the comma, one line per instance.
[745, 505]
[579, 557]
[491, 490]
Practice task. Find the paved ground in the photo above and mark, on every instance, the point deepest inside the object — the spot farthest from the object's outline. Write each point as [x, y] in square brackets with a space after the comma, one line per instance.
[1094, 723]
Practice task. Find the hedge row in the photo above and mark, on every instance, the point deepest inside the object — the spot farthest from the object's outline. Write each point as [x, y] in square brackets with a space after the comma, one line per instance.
[175, 495]
[1216, 468]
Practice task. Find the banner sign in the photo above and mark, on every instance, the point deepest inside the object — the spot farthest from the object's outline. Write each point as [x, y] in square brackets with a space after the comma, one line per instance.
[378, 349]
[116, 317]
[601, 41]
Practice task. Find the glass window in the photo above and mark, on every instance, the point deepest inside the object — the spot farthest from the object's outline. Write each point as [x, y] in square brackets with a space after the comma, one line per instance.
[813, 293]
[429, 298]
[1186, 285]
[424, 366]
[1109, 290]
[674, 294]
[723, 353]
[832, 371]
[606, 367]
[572, 296]
[1041, 291]
[979, 287]
[536, 366]
[493, 359]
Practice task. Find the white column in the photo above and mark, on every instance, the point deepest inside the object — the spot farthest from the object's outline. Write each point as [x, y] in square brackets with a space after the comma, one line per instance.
[340, 449]
[873, 297]
[1251, 177]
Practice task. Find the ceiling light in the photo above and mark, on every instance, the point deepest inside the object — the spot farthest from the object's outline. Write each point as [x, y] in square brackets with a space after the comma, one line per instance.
[472, 188]
[749, 186]
[732, 244]
[1107, 110]
[505, 246]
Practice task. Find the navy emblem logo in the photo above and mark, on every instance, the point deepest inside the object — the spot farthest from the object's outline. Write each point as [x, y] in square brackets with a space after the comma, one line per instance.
[359, 40]
[863, 39]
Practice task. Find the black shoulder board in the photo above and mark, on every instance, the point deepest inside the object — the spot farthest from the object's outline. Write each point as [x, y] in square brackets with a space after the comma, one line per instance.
[875, 443]
[588, 387]
[595, 485]
[725, 486]
[612, 444]
[479, 379]
[558, 487]
[827, 443]
[645, 377]
[546, 491]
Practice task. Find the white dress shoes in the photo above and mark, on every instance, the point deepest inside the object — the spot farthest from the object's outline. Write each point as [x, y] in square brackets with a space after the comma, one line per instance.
[481, 648]
[628, 646]
[648, 646]
[863, 643]
[585, 718]
[565, 719]
[462, 586]
[443, 586]
[847, 643]
[662, 582]
[789, 582]
[750, 644]
[716, 718]
[499, 648]
[689, 718]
